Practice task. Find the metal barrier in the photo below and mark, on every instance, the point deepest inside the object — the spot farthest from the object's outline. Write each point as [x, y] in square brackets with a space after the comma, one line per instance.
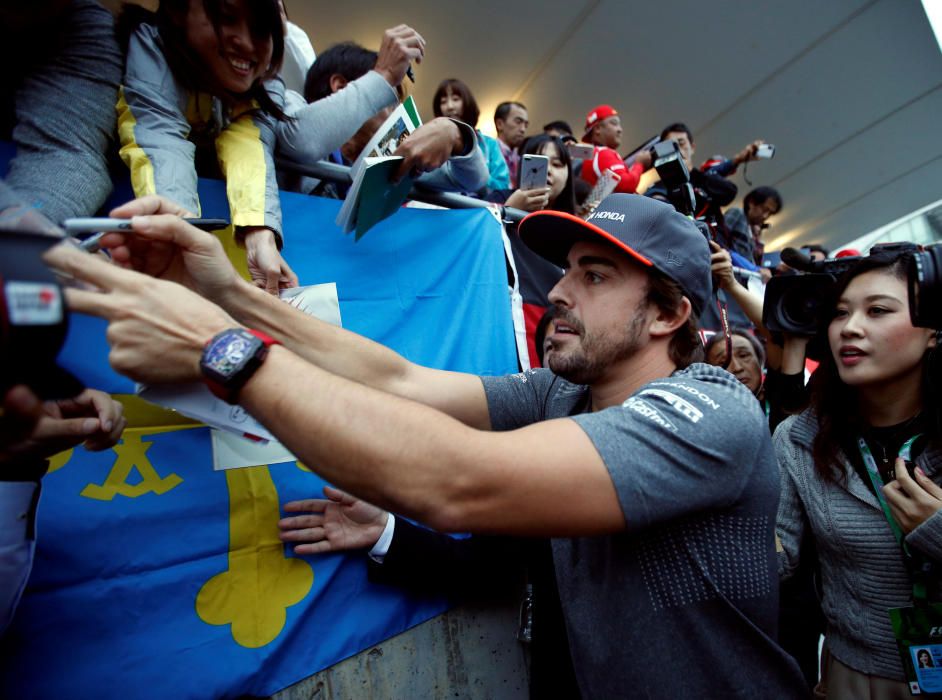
[325, 170]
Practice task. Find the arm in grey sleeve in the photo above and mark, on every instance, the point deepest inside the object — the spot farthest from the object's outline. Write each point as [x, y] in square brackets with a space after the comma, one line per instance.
[790, 523]
[65, 120]
[464, 173]
[152, 126]
[323, 126]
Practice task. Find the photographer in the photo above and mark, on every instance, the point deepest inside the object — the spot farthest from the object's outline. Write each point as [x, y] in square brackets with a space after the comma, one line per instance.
[711, 188]
[846, 456]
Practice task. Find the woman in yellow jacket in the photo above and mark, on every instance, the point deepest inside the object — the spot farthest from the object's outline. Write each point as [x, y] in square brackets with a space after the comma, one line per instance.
[201, 94]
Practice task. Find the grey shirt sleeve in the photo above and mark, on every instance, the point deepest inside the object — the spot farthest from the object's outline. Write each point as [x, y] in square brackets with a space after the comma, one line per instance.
[65, 119]
[517, 400]
[323, 126]
[680, 445]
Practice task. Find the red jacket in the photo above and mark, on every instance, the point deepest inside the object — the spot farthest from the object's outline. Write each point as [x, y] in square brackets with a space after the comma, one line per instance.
[608, 159]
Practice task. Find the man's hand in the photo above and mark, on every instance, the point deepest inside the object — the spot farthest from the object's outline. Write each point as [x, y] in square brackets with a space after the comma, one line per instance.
[401, 45]
[268, 269]
[339, 523]
[32, 429]
[912, 502]
[166, 247]
[157, 329]
[644, 158]
[529, 200]
[748, 153]
[721, 264]
[429, 147]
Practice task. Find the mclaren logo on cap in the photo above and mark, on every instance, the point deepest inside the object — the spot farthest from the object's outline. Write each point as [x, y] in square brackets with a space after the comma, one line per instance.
[611, 215]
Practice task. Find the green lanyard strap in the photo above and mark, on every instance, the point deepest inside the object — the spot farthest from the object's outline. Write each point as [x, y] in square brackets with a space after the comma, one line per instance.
[919, 572]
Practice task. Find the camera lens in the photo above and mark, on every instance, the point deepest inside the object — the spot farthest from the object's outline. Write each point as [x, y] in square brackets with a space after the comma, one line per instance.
[925, 283]
[801, 309]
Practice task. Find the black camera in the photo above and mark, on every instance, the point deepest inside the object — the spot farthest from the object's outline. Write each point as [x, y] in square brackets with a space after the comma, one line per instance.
[33, 317]
[925, 285]
[671, 168]
[798, 303]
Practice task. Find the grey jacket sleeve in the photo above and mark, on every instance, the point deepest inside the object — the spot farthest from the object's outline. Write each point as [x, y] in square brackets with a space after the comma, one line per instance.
[323, 126]
[153, 127]
[65, 119]
[791, 520]
[465, 173]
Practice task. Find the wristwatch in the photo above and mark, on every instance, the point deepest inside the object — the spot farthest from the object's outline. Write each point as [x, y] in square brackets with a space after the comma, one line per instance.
[231, 358]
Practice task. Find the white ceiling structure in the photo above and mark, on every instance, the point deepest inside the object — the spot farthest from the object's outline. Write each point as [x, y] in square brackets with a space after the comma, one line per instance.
[849, 91]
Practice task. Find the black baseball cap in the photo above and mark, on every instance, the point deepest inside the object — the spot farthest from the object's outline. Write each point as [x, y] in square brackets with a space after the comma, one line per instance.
[650, 231]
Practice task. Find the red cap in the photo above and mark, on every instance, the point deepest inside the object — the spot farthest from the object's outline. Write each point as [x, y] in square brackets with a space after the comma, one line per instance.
[598, 114]
[847, 252]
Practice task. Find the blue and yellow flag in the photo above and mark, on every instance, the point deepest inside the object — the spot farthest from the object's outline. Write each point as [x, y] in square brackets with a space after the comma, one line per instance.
[157, 577]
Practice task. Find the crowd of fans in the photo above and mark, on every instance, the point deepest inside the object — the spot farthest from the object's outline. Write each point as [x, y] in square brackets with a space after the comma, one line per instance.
[198, 88]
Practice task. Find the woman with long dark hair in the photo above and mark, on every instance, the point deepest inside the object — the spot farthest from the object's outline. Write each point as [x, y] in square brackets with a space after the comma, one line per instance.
[873, 398]
[201, 95]
[453, 99]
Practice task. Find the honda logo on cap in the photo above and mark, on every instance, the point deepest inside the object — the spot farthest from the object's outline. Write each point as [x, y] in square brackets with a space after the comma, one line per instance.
[610, 215]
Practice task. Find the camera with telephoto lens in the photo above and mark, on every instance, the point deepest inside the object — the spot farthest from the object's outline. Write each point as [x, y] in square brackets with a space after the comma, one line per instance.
[798, 303]
[668, 161]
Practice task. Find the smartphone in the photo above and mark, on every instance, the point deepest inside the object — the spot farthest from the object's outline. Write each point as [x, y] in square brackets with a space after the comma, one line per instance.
[765, 150]
[533, 171]
[580, 151]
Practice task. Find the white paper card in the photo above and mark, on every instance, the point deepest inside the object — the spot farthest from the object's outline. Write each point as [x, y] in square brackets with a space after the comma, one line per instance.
[234, 452]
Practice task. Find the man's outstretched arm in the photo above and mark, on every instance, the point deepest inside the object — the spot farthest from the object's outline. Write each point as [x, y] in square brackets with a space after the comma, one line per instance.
[166, 247]
[545, 479]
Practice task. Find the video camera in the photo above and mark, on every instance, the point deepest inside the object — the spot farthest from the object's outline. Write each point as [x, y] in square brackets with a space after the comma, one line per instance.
[798, 303]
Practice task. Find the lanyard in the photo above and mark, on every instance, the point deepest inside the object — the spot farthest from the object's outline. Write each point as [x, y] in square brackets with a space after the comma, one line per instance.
[919, 583]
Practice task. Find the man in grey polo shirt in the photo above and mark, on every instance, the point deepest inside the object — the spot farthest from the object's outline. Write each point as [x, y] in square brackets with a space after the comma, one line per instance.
[655, 475]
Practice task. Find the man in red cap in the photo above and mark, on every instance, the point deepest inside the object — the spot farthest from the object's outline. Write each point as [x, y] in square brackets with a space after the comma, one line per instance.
[603, 130]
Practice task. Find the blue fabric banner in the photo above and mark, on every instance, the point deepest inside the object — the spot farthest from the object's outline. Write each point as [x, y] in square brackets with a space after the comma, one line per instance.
[157, 577]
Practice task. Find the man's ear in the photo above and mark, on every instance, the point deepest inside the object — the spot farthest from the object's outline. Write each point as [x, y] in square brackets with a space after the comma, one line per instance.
[664, 323]
[337, 82]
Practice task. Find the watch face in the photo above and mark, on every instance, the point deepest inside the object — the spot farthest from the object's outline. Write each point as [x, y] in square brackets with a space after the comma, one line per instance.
[229, 352]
